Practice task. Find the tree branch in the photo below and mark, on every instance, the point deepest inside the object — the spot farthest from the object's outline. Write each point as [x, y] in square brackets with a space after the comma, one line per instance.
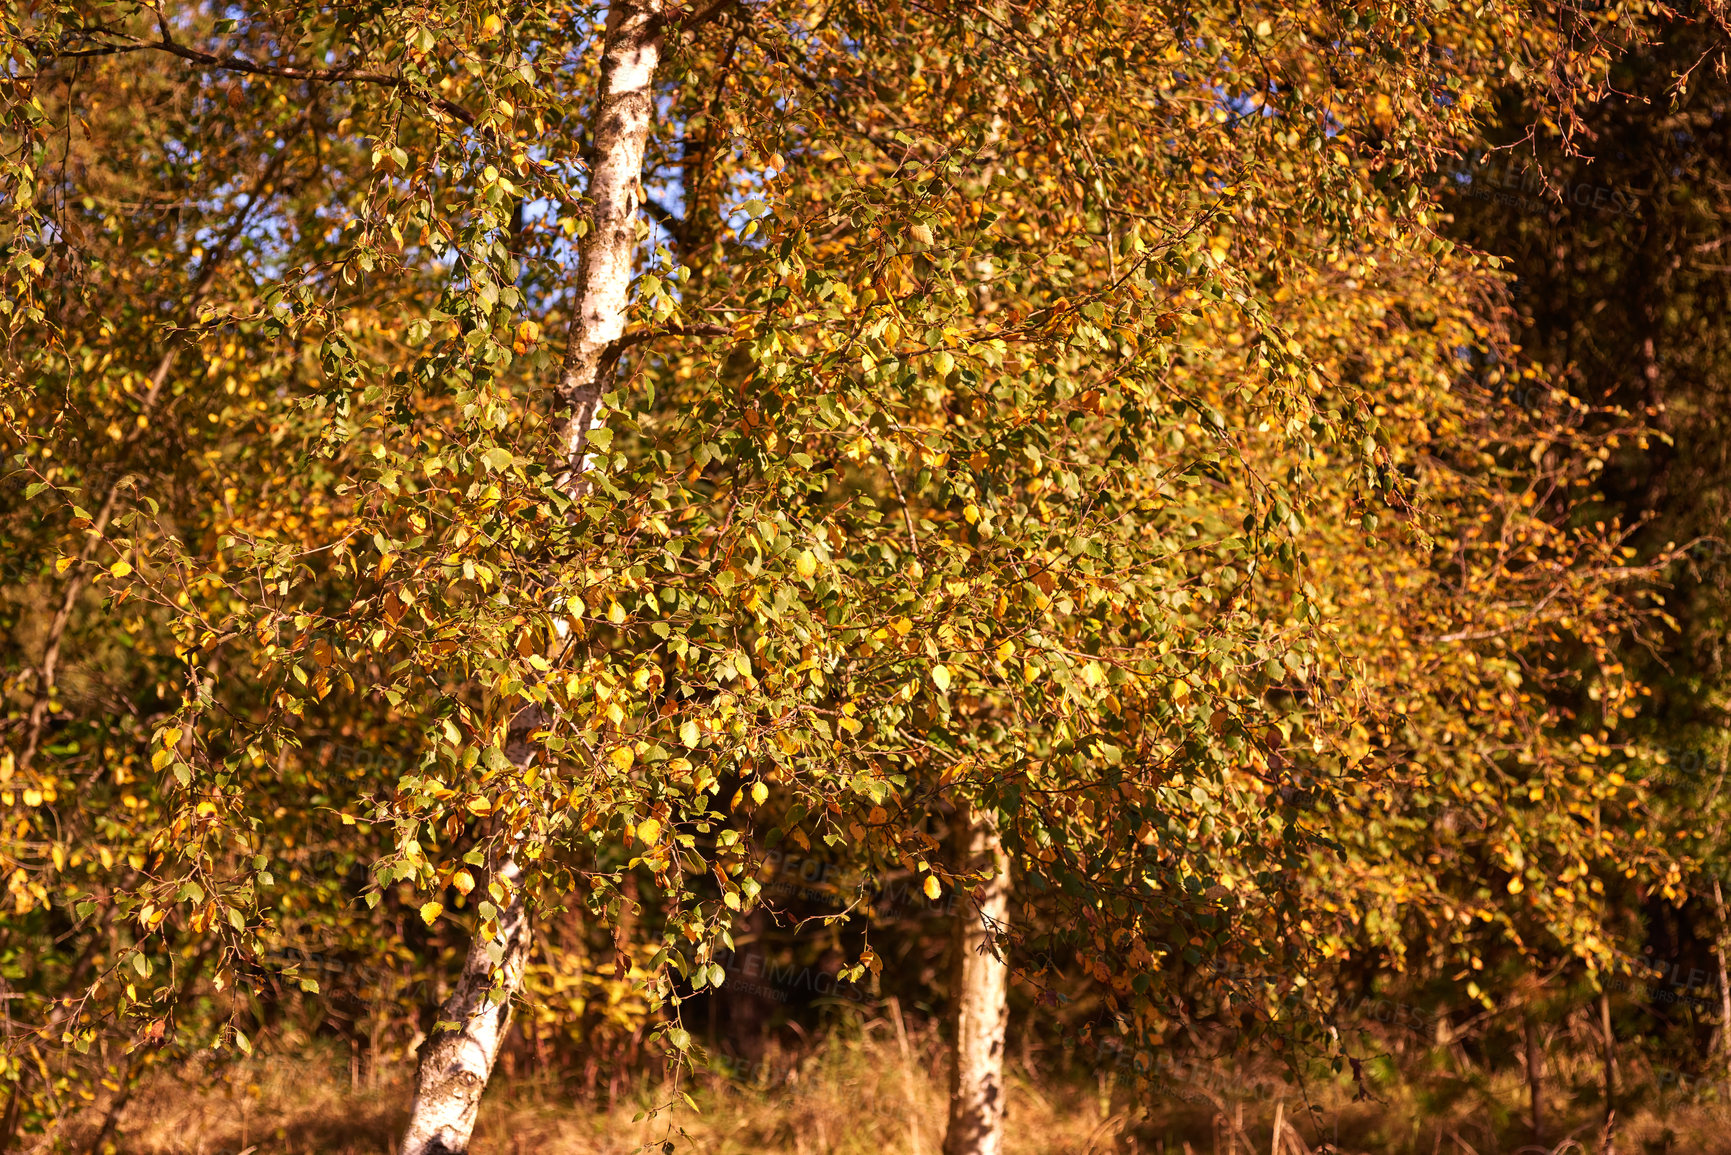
[704, 15]
[240, 64]
[665, 217]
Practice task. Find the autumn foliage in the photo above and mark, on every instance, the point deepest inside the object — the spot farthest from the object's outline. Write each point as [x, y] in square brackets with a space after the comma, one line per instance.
[1104, 422]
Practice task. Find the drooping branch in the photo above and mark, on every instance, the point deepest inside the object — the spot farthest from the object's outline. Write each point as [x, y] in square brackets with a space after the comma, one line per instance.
[264, 191]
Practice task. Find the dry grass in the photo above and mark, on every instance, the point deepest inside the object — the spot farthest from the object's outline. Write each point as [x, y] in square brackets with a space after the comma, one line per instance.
[867, 1091]
[855, 1094]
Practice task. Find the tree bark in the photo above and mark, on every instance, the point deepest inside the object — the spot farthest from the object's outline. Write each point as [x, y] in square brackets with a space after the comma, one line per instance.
[622, 115]
[456, 1064]
[1724, 974]
[976, 1125]
[1610, 1063]
[1535, 1076]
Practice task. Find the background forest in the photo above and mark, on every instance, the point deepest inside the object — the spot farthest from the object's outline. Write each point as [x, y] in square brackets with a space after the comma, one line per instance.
[924, 575]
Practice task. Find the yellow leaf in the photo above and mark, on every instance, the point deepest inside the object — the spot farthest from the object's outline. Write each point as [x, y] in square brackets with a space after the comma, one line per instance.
[759, 792]
[60, 566]
[688, 733]
[1005, 650]
[934, 888]
[120, 569]
[622, 757]
[941, 677]
[430, 912]
[648, 831]
[806, 565]
[463, 881]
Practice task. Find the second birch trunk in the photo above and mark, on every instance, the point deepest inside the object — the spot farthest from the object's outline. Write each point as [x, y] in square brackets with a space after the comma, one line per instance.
[982, 975]
[1535, 1075]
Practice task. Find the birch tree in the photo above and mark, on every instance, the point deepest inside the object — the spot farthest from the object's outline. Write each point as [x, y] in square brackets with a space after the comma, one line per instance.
[458, 1060]
[907, 455]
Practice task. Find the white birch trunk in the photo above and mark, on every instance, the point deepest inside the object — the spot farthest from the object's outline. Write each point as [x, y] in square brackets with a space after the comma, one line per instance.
[455, 1065]
[982, 983]
[1724, 1039]
[630, 54]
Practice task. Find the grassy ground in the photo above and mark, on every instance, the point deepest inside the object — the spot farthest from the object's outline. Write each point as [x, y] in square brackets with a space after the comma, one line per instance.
[870, 1092]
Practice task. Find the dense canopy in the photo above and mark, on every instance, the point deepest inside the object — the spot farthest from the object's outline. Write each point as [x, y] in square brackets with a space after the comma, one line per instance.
[491, 488]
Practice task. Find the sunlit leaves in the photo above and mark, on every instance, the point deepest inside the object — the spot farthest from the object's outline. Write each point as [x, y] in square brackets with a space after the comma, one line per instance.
[1020, 405]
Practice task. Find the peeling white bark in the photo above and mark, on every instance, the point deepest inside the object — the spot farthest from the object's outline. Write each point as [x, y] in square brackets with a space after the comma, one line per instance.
[455, 1064]
[630, 54]
[982, 984]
